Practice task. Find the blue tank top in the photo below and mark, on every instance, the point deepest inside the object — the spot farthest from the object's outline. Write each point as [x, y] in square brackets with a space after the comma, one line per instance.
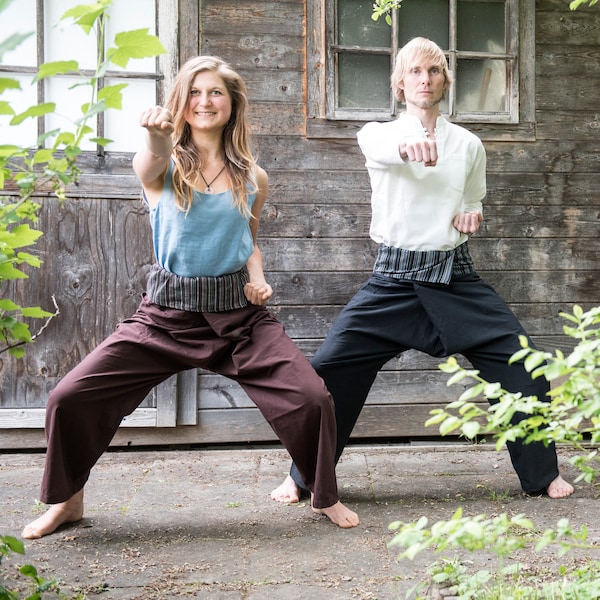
[213, 238]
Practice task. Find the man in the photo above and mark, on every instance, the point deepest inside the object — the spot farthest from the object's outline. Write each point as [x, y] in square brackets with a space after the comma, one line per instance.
[428, 182]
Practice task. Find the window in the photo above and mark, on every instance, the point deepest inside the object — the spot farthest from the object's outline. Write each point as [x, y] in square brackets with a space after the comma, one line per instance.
[489, 45]
[54, 42]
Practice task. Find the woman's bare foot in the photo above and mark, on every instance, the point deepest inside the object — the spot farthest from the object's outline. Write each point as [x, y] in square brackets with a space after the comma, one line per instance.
[69, 511]
[559, 488]
[339, 515]
[288, 492]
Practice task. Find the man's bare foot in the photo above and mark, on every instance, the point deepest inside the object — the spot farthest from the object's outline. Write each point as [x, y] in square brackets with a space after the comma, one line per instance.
[559, 488]
[288, 492]
[340, 515]
[69, 511]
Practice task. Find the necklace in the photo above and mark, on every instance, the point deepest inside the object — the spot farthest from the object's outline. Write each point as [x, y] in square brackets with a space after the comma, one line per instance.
[208, 189]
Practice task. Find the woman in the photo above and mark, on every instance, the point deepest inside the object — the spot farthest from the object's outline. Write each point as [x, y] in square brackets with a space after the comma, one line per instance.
[204, 305]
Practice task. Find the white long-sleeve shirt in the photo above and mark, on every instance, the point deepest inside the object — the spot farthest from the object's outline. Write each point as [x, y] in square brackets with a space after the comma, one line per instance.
[413, 206]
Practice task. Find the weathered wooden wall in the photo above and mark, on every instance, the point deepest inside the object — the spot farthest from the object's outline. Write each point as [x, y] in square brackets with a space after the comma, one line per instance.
[539, 246]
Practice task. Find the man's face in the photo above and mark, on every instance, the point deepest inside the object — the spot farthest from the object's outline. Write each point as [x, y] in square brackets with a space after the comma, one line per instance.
[423, 84]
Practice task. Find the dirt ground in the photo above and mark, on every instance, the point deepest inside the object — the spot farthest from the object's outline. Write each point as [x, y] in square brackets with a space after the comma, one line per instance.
[200, 524]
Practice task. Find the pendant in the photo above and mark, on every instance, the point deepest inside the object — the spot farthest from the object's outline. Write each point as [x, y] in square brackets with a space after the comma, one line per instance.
[208, 190]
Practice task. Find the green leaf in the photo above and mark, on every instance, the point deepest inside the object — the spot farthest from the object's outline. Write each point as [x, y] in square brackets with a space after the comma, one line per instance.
[20, 235]
[6, 108]
[7, 271]
[471, 429]
[39, 110]
[4, 4]
[85, 15]
[8, 83]
[137, 43]
[534, 360]
[9, 151]
[6, 304]
[473, 392]
[59, 67]
[101, 141]
[112, 95]
[449, 425]
[65, 137]
[14, 544]
[30, 259]
[21, 332]
[90, 111]
[42, 156]
[28, 570]
[12, 42]
[36, 312]
[18, 352]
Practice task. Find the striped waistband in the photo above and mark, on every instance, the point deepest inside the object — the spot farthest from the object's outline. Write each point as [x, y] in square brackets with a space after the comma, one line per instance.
[197, 294]
[431, 266]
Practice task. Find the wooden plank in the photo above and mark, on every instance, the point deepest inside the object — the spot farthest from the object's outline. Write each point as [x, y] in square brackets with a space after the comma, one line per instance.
[264, 50]
[565, 60]
[188, 29]
[258, 16]
[551, 96]
[187, 397]
[566, 155]
[165, 399]
[512, 222]
[305, 322]
[569, 27]
[390, 387]
[33, 418]
[246, 426]
[337, 188]
[569, 124]
[273, 118]
[561, 287]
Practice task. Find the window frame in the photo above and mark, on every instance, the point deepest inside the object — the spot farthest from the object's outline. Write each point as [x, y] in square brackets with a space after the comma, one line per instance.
[166, 27]
[323, 121]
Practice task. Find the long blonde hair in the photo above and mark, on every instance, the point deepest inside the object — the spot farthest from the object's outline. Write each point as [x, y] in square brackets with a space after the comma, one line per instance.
[239, 161]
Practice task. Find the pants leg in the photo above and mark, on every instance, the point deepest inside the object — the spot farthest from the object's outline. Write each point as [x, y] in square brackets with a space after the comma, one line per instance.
[88, 404]
[477, 323]
[290, 395]
[382, 320]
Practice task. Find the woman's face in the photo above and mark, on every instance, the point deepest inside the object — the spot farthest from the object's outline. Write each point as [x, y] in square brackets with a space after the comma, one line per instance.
[209, 104]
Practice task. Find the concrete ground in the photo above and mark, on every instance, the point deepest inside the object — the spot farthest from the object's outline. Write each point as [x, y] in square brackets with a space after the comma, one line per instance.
[200, 524]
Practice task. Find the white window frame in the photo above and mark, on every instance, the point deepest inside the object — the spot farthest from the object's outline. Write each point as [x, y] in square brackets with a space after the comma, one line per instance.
[165, 27]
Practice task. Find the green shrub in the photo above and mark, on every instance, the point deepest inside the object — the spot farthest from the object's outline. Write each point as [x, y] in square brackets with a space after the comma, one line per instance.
[571, 417]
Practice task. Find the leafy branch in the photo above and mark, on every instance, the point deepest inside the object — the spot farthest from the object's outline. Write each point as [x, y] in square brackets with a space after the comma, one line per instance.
[52, 165]
[571, 416]
[384, 8]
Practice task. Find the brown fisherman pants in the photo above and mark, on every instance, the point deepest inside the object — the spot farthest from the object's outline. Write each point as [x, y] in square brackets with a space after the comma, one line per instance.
[247, 345]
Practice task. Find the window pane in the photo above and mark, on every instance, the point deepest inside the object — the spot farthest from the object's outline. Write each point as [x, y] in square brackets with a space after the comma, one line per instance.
[19, 17]
[24, 134]
[364, 81]
[480, 26]
[123, 126]
[122, 19]
[357, 28]
[481, 86]
[66, 41]
[69, 98]
[424, 18]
